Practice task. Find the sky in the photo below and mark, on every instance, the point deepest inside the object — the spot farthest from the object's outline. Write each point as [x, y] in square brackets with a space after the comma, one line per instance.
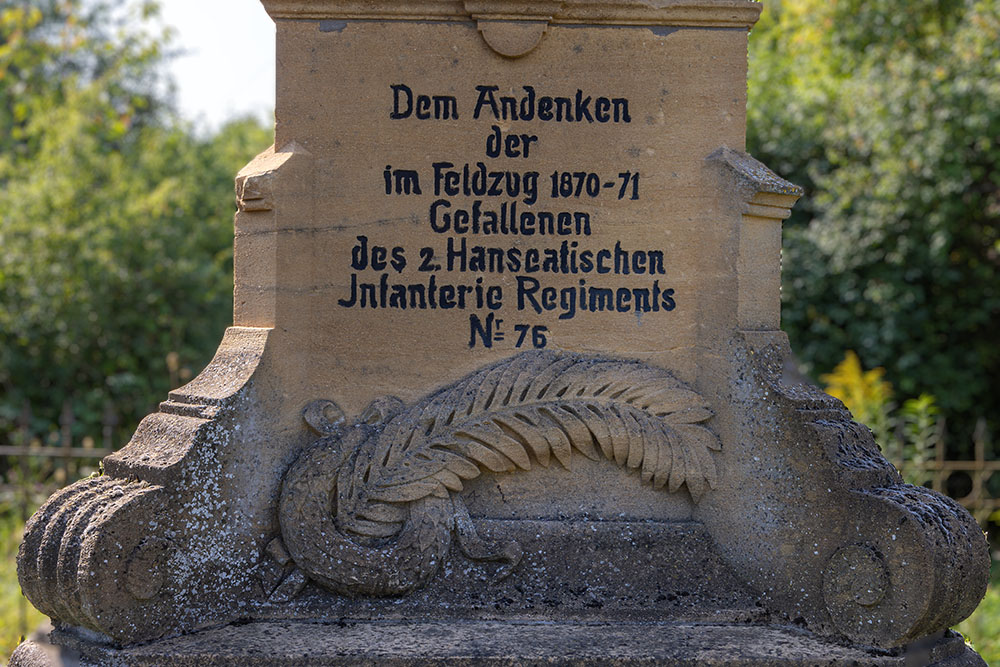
[225, 62]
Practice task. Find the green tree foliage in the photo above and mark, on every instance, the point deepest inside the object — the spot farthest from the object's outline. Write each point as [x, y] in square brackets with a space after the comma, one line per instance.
[115, 219]
[889, 114]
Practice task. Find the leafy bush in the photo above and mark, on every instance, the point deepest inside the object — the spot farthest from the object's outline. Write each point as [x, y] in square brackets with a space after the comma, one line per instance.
[115, 219]
[889, 115]
[865, 393]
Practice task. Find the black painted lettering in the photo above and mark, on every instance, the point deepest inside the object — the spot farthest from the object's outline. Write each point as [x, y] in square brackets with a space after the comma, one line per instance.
[418, 296]
[620, 105]
[638, 262]
[494, 297]
[602, 256]
[579, 108]
[513, 145]
[486, 98]
[656, 262]
[353, 299]
[508, 108]
[545, 108]
[528, 103]
[567, 302]
[397, 299]
[549, 295]
[368, 296]
[564, 109]
[526, 225]
[423, 107]
[427, 107]
[359, 254]
[460, 221]
[442, 224]
[527, 289]
[493, 142]
[623, 298]
[398, 259]
[426, 259]
[530, 187]
[456, 258]
[641, 298]
[513, 260]
[445, 107]
[404, 111]
[583, 107]
[668, 300]
[484, 332]
[407, 182]
[621, 259]
[447, 297]
[601, 108]
[601, 299]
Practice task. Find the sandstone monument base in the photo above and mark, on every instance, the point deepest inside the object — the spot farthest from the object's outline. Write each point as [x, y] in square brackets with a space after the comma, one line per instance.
[504, 382]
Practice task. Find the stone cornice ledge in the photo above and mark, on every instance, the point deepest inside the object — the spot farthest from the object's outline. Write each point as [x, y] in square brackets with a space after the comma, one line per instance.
[694, 13]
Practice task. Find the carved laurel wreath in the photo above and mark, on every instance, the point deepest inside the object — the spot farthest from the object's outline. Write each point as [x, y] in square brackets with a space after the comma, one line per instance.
[369, 508]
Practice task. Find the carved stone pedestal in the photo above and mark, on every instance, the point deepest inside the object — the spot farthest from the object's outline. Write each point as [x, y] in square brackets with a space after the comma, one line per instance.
[503, 385]
[890, 567]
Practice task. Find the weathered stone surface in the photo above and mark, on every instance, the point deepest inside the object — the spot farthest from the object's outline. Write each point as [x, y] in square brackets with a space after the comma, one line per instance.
[458, 643]
[504, 382]
[624, 570]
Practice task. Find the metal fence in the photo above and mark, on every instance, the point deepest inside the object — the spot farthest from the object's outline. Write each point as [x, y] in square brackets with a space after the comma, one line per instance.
[33, 464]
[39, 463]
[983, 497]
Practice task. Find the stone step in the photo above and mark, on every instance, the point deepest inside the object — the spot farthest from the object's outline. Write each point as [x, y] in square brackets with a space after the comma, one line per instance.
[459, 643]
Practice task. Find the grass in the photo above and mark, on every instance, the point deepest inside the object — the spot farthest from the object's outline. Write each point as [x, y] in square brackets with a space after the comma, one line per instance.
[17, 616]
[982, 629]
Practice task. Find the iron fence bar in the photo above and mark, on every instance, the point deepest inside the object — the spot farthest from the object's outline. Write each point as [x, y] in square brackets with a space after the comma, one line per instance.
[24, 500]
[55, 452]
[959, 466]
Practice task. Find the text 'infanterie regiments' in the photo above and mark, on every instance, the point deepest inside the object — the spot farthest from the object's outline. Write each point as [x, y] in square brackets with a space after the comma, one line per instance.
[502, 239]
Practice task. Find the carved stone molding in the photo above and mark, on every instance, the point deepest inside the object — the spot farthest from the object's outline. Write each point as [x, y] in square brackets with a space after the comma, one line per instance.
[512, 28]
[758, 180]
[766, 199]
[739, 14]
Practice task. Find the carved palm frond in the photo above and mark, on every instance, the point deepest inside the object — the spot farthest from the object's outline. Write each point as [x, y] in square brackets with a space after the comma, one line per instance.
[536, 406]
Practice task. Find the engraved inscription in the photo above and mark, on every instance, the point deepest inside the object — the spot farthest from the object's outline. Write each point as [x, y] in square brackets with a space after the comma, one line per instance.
[506, 237]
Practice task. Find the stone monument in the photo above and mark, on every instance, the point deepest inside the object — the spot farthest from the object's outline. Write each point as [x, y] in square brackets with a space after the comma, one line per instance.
[504, 381]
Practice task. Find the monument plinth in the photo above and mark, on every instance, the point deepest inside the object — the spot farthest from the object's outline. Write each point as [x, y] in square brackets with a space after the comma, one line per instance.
[504, 381]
